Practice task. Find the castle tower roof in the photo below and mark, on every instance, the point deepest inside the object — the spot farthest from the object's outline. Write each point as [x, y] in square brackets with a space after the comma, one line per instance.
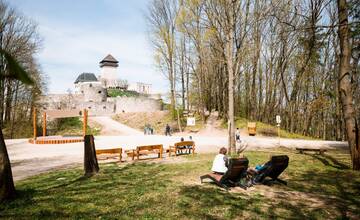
[86, 77]
[109, 60]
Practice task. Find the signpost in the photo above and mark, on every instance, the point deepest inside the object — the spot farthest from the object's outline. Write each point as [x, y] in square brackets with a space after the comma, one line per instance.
[190, 121]
[278, 121]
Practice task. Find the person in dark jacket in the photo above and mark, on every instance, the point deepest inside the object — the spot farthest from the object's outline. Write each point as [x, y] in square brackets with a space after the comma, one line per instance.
[167, 130]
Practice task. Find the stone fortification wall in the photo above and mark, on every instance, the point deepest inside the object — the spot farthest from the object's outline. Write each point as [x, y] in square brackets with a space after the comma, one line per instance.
[76, 101]
[98, 108]
[137, 104]
[61, 101]
[108, 107]
[93, 92]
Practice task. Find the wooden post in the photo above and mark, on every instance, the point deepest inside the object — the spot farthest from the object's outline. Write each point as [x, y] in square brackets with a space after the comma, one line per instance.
[44, 124]
[34, 124]
[85, 122]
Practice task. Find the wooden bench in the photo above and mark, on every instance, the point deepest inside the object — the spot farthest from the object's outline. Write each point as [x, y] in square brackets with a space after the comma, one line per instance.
[111, 151]
[145, 150]
[317, 150]
[190, 145]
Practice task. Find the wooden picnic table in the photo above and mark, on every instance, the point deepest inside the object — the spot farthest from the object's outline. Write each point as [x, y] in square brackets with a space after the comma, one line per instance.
[301, 150]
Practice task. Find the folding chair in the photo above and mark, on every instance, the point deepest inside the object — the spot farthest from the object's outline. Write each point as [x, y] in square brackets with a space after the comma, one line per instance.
[236, 171]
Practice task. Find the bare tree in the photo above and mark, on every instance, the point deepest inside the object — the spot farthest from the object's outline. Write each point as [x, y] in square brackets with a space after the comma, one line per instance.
[345, 87]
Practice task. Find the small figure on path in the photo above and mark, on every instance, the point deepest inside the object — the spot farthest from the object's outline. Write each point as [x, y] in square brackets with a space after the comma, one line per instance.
[167, 130]
[237, 135]
[145, 129]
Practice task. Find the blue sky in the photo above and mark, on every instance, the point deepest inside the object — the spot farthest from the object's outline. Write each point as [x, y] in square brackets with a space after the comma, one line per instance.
[77, 34]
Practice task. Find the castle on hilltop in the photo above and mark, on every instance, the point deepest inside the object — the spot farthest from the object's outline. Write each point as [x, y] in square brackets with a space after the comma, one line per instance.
[92, 93]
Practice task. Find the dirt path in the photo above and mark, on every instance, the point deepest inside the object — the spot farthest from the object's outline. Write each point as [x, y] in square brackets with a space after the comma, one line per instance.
[212, 127]
[112, 127]
[29, 159]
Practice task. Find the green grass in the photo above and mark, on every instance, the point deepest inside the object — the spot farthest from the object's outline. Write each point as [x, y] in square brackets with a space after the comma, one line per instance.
[73, 126]
[117, 93]
[267, 129]
[319, 187]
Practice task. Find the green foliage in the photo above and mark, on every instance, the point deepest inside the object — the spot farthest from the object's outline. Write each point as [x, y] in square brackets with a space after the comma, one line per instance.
[322, 188]
[266, 129]
[16, 71]
[71, 126]
[26, 130]
[120, 93]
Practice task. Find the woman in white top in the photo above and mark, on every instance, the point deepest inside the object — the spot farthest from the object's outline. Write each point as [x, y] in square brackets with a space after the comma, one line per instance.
[220, 162]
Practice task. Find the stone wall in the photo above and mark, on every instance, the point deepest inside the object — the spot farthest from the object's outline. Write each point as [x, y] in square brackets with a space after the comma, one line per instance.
[93, 92]
[108, 107]
[98, 108]
[137, 104]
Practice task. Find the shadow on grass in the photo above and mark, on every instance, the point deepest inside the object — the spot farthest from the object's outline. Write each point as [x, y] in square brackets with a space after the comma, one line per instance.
[115, 192]
[338, 189]
[203, 202]
[153, 191]
[328, 160]
[206, 202]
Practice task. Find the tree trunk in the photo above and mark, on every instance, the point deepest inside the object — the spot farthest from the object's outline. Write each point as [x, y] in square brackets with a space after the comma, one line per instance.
[7, 188]
[345, 86]
[8, 101]
[230, 68]
[182, 71]
[91, 166]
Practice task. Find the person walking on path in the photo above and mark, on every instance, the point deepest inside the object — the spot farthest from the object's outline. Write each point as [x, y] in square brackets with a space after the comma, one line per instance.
[167, 130]
[237, 135]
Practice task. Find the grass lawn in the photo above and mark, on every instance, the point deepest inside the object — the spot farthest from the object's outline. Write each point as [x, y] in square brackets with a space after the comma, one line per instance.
[319, 187]
[268, 130]
[74, 126]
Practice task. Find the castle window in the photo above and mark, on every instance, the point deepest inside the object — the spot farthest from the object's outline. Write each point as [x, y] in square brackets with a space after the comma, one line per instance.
[99, 92]
[89, 107]
[104, 107]
[90, 85]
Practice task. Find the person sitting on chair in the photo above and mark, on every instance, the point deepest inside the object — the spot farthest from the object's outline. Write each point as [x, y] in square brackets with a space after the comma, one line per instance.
[181, 148]
[220, 162]
[253, 172]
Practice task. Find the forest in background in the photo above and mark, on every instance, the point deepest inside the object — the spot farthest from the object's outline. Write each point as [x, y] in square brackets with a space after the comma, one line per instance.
[19, 36]
[283, 58]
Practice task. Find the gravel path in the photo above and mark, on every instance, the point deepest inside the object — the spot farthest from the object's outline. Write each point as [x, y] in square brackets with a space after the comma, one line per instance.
[112, 127]
[29, 159]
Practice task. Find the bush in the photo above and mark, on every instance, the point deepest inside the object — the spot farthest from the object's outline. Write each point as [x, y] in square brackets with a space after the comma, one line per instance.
[120, 93]
[268, 132]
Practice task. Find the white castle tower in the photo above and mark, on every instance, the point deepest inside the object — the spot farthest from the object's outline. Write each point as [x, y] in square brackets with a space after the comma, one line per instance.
[108, 72]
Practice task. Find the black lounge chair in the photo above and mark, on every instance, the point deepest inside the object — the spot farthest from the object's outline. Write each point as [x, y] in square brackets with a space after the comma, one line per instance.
[236, 171]
[273, 169]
